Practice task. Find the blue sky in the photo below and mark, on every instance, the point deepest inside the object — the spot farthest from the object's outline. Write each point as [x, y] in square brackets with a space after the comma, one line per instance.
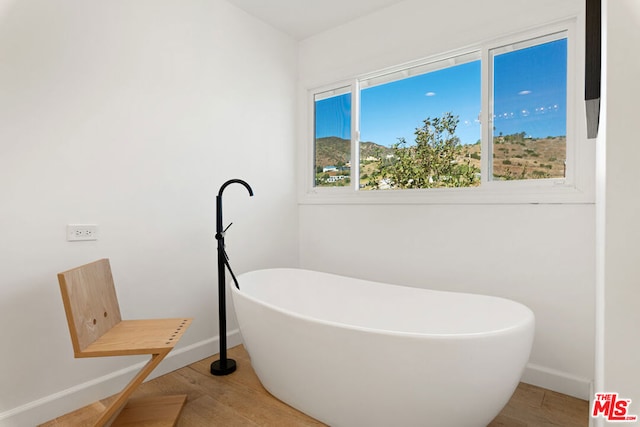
[394, 110]
[529, 92]
[333, 116]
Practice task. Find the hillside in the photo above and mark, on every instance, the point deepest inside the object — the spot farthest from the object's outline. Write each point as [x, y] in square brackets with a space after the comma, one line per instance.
[334, 151]
[515, 157]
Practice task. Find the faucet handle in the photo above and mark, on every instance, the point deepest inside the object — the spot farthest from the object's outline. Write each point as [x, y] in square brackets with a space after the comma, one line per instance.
[220, 236]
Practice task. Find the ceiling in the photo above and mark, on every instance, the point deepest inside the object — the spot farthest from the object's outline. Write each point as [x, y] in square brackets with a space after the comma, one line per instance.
[304, 18]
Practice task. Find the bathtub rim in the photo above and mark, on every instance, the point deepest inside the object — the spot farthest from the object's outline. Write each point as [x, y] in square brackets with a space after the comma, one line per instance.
[522, 324]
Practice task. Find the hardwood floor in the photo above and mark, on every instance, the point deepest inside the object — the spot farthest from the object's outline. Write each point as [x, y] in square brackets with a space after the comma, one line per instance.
[240, 400]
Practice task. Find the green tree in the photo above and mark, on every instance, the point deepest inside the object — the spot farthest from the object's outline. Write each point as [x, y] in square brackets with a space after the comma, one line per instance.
[435, 160]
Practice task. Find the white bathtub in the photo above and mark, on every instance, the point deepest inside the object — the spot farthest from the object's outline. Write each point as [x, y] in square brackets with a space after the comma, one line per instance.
[355, 353]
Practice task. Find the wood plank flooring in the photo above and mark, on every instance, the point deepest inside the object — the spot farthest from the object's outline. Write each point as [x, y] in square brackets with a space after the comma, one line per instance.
[240, 400]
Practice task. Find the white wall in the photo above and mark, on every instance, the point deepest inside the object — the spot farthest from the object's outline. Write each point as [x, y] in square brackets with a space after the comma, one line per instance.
[620, 362]
[541, 255]
[131, 115]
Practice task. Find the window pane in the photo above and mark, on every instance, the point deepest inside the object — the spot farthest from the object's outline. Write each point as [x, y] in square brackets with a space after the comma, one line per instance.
[332, 149]
[422, 131]
[530, 112]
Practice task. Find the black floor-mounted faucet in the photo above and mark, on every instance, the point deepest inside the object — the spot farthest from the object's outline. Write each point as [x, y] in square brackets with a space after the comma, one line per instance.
[224, 366]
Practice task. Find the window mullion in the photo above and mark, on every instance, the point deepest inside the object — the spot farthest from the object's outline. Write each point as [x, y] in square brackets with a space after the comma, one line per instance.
[486, 118]
[355, 135]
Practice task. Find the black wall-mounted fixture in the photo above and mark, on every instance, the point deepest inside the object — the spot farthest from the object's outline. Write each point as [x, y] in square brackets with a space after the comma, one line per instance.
[224, 366]
[592, 65]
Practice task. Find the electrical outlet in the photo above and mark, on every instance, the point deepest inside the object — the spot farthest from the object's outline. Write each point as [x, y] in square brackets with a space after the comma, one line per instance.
[76, 232]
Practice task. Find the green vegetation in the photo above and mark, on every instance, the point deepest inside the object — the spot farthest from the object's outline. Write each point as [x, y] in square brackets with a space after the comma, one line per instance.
[435, 160]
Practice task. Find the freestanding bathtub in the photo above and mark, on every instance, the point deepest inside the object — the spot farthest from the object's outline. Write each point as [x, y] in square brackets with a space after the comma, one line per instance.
[355, 353]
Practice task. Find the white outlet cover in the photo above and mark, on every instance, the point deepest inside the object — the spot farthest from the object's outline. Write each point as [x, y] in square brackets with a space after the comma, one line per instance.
[82, 232]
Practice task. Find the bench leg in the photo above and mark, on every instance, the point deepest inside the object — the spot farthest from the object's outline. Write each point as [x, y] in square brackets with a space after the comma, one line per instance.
[140, 407]
[156, 411]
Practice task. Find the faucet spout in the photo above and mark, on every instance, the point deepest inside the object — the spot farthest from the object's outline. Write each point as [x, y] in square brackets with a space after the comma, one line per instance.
[232, 181]
[219, 227]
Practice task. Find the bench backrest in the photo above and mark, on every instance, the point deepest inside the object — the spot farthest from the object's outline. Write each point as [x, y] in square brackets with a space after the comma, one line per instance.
[90, 302]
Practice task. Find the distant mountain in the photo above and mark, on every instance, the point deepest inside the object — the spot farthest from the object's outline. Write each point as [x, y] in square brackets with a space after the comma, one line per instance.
[526, 158]
[334, 151]
[514, 156]
[517, 157]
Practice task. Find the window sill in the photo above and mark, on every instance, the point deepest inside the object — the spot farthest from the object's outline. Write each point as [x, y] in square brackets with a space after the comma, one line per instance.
[547, 192]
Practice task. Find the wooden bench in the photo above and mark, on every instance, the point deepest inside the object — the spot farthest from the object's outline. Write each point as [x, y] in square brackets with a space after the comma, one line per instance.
[97, 330]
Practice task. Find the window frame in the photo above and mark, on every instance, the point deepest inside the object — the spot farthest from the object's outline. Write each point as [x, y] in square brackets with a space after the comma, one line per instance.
[576, 187]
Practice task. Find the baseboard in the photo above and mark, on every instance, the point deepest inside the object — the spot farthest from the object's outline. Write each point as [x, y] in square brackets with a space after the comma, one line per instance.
[65, 401]
[559, 381]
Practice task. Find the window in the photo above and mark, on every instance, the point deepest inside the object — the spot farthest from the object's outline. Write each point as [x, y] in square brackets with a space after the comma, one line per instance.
[529, 81]
[494, 116]
[332, 148]
[419, 126]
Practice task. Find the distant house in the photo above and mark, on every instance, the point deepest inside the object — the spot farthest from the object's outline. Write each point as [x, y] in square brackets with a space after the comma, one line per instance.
[384, 184]
[329, 169]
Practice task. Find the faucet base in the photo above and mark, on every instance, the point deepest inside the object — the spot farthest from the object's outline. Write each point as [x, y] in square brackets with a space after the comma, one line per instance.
[218, 368]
